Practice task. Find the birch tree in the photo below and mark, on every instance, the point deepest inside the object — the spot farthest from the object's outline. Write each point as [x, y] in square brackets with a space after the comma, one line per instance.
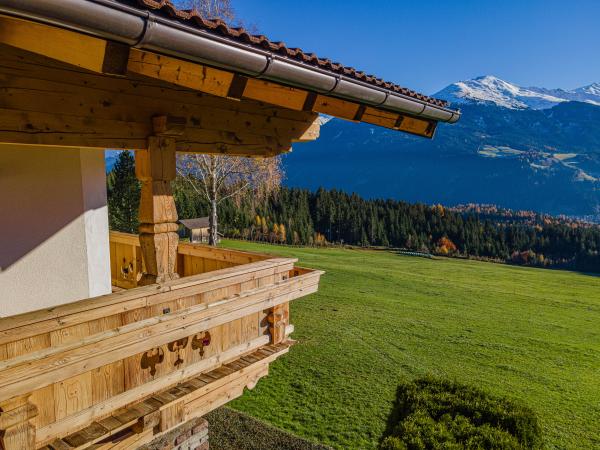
[219, 177]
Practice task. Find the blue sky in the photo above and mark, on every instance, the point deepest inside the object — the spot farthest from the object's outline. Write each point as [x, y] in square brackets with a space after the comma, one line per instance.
[428, 44]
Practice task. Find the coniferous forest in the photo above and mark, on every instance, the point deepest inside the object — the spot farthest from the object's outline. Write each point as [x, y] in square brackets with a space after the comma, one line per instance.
[327, 217]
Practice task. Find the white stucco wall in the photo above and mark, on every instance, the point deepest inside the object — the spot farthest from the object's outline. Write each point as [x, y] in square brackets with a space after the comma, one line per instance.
[53, 227]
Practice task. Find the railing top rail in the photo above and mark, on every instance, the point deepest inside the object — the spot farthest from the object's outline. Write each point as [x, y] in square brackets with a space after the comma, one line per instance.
[44, 320]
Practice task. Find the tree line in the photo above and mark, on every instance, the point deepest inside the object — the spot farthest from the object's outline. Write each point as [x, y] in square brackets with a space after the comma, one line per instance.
[326, 217]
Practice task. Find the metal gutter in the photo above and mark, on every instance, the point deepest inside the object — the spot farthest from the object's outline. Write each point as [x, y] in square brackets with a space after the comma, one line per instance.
[143, 29]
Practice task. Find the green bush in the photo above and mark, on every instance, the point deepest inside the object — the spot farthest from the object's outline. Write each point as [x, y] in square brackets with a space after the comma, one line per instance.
[430, 413]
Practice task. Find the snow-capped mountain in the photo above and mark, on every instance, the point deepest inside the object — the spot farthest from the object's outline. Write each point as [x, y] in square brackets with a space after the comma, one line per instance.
[490, 89]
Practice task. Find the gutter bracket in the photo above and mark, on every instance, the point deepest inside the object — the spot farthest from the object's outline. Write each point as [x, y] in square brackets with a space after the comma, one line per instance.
[149, 24]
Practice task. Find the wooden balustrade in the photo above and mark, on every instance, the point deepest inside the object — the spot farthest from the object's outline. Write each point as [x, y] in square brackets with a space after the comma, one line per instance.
[141, 360]
[192, 259]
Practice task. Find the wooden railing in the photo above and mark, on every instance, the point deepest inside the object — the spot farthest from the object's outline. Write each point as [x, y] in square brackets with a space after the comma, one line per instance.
[139, 361]
[192, 259]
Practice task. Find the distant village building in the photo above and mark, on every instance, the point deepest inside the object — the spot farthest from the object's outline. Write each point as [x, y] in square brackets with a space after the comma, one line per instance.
[196, 229]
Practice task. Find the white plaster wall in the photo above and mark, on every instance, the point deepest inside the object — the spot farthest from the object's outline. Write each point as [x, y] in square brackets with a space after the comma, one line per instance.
[53, 227]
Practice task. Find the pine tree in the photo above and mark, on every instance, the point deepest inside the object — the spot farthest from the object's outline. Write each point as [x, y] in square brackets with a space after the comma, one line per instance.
[123, 195]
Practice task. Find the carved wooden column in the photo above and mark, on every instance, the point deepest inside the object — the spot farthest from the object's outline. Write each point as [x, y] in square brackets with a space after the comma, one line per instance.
[16, 430]
[155, 168]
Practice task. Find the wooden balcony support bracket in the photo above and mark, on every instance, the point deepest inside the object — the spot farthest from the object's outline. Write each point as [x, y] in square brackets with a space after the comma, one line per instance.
[279, 318]
[155, 168]
[16, 430]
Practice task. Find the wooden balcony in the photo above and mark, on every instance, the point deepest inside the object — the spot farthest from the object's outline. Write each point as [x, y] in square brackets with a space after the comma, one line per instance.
[118, 370]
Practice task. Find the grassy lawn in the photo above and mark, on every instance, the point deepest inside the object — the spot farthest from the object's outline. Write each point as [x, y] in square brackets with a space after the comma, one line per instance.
[380, 318]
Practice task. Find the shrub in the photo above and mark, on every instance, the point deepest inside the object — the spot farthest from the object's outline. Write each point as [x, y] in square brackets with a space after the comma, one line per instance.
[430, 413]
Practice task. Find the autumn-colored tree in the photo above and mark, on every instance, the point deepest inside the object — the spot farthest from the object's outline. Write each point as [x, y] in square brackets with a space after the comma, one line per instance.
[282, 234]
[264, 227]
[445, 246]
[319, 240]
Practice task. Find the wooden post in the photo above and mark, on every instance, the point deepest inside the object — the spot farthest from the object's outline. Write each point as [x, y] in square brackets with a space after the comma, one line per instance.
[155, 168]
[16, 430]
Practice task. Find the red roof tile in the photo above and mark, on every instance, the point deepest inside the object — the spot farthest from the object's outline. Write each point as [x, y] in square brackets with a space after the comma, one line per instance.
[168, 9]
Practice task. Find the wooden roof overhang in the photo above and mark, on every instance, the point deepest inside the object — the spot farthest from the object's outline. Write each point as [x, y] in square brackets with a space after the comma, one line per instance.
[62, 87]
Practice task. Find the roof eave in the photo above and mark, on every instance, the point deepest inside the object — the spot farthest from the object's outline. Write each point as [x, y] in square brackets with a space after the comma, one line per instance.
[145, 30]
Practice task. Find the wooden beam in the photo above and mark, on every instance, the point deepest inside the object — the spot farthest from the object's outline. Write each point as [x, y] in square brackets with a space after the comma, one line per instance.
[419, 127]
[311, 133]
[378, 117]
[401, 122]
[275, 94]
[97, 55]
[335, 107]
[28, 77]
[225, 84]
[214, 81]
[182, 73]
[58, 130]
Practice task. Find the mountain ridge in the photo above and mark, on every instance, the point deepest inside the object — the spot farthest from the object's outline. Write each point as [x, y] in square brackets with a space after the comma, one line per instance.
[491, 89]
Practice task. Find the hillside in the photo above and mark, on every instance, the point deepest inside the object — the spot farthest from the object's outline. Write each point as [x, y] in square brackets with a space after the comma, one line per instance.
[380, 318]
[546, 160]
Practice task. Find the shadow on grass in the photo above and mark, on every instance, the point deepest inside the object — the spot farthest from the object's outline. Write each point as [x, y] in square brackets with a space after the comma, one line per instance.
[232, 430]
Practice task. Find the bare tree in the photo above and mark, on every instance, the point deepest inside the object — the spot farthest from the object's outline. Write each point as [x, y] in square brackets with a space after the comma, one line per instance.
[211, 9]
[219, 177]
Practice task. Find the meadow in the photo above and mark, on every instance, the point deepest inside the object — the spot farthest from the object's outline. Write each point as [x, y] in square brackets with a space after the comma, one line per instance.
[380, 318]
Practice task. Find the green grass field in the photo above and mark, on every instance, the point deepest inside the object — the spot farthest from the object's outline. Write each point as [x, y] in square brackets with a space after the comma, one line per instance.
[380, 318]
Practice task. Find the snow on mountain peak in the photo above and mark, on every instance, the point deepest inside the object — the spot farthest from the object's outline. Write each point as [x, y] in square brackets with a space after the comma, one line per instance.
[592, 89]
[490, 89]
